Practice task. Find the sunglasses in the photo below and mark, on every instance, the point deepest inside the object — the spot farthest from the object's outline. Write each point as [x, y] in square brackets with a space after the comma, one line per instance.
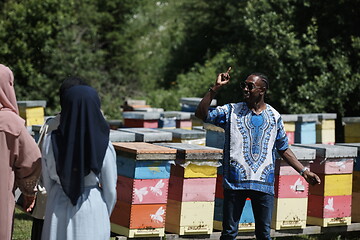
[249, 86]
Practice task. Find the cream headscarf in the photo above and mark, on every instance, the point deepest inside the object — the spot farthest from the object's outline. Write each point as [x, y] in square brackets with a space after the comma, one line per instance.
[10, 120]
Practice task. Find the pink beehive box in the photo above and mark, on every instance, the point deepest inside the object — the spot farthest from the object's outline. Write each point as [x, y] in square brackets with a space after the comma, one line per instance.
[142, 191]
[192, 189]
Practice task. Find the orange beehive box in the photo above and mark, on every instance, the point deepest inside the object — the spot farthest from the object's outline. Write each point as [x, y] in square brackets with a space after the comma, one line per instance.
[139, 216]
[142, 191]
[192, 189]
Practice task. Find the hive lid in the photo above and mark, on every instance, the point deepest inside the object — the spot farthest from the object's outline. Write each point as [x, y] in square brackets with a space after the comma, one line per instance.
[32, 103]
[186, 151]
[331, 151]
[148, 134]
[121, 136]
[144, 151]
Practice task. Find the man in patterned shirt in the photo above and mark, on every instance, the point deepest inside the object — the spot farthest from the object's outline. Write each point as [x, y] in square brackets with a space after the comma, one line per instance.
[253, 132]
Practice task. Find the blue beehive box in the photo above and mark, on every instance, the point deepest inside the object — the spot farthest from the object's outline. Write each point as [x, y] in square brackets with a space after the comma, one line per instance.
[140, 160]
[305, 129]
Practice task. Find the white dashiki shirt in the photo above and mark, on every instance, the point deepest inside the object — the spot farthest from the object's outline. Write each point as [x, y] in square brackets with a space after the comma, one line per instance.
[251, 141]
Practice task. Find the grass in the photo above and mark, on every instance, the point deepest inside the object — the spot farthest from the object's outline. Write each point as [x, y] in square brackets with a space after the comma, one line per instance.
[23, 223]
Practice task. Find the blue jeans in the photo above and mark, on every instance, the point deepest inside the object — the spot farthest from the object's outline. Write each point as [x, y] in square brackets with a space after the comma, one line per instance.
[234, 201]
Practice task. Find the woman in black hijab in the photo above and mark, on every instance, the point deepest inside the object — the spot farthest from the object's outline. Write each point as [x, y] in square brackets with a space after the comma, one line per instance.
[79, 170]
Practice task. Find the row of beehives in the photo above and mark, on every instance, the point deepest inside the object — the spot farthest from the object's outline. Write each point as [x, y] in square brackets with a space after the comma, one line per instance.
[301, 128]
[176, 188]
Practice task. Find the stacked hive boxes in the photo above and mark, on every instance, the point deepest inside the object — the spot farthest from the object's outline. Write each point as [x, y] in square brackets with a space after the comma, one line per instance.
[142, 188]
[148, 135]
[175, 119]
[141, 119]
[190, 205]
[329, 203]
[291, 192]
[325, 129]
[32, 112]
[305, 129]
[187, 136]
[355, 209]
[351, 129]
[289, 125]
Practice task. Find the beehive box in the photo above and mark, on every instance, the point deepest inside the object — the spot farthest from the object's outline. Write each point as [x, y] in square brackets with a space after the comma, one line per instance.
[305, 129]
[148, 135]
[142, 191]
[351, 129]
[189, 104]
[247, 221]
[135, 119]
[332, 159]
[290, 186]
[289, 213]
[187, 136]
[143, 160]
[357, 160]
[176, 119]
[215, 136]
[325, 128]
[189, 218]
[139, 216]
[329, 210]
[32, 112]
[121, 136]
[289, 125]
[192, 189]
[332, 185]
[194, 161]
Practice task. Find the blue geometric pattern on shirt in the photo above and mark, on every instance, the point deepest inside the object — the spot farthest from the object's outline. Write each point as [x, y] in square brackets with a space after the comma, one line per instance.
[237, 172]
[256, 132]
[268, 174]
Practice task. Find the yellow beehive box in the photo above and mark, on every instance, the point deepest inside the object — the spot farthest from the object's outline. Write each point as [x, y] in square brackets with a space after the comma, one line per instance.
[355, 207]
[194, 171]
[325, 128]
[289, 213]
[351, 129]
[333, 185]
[329, 222]
[289, 126]
[189, 218]
[137, 233]
[32, 112]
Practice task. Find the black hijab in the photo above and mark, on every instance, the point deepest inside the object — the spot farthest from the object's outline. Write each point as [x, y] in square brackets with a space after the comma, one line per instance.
[81, 140]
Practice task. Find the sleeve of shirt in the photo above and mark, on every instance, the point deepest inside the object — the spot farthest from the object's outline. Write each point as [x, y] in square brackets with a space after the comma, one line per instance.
[219, 116]
[108, 178]
[281, 137]
[28, 164]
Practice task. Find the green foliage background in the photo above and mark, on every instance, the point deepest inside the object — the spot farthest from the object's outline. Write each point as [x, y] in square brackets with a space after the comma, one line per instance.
[164, 50]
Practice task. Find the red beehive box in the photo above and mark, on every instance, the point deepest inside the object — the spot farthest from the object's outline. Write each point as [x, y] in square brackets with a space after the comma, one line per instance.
[142, 191]
[290, 186]
[330, 206]
[192, 189]
[219, 190]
